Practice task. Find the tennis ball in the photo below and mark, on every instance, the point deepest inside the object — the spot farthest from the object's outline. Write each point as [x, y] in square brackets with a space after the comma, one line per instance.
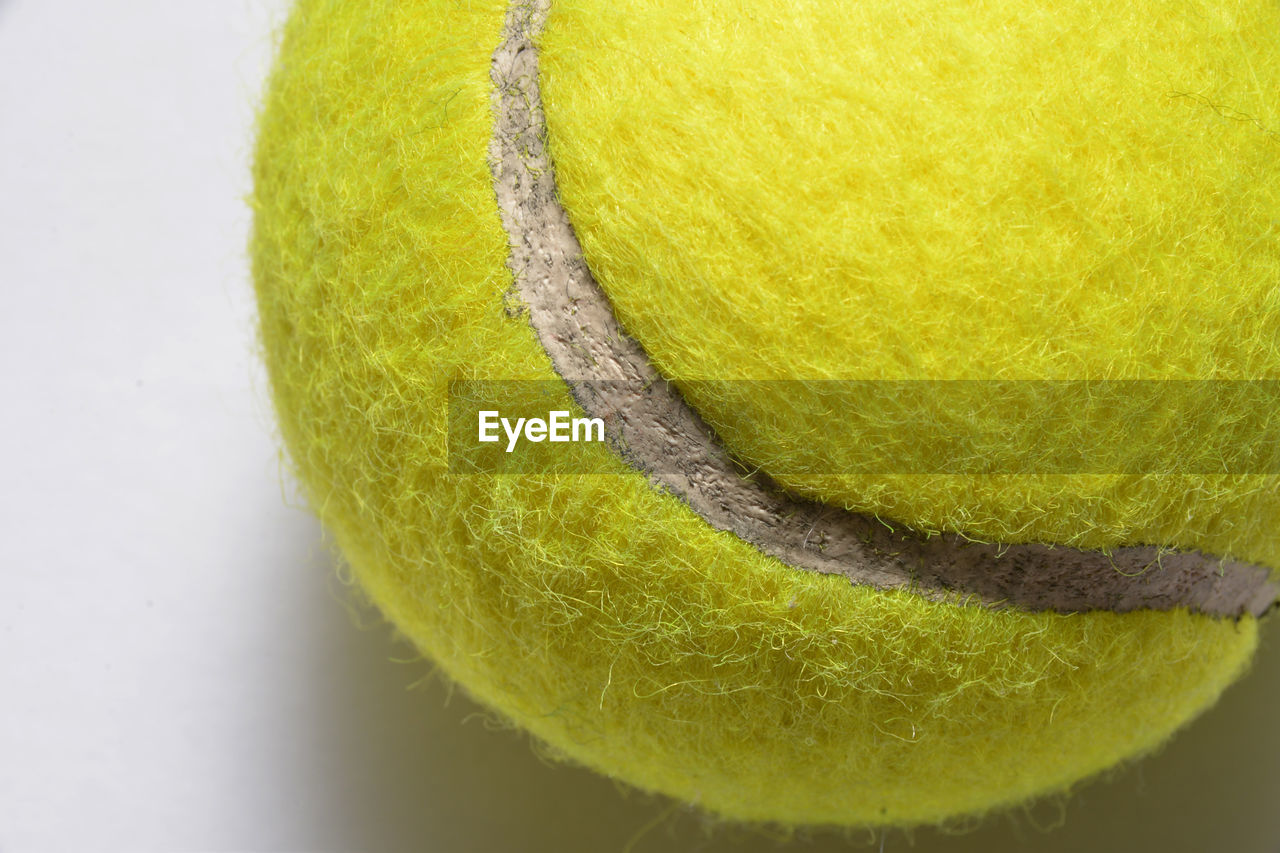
[715, 233]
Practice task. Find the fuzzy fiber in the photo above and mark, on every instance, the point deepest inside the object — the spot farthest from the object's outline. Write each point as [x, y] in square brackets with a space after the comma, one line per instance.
[914, 189]
[604, 616]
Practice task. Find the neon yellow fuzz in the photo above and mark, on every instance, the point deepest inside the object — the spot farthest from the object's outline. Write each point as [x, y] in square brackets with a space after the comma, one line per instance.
[797, 190]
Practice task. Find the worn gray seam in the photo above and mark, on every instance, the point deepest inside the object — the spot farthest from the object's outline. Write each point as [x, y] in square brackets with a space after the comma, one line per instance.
[649, 421]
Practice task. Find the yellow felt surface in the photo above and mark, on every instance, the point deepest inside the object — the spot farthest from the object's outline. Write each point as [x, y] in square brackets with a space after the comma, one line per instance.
[914, 189]
[599, 614]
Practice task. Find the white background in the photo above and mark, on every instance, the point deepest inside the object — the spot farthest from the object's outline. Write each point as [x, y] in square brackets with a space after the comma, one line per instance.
[181, 665]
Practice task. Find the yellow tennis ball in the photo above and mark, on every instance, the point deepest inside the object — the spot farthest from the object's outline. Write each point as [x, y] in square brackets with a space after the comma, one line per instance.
[929, 344]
